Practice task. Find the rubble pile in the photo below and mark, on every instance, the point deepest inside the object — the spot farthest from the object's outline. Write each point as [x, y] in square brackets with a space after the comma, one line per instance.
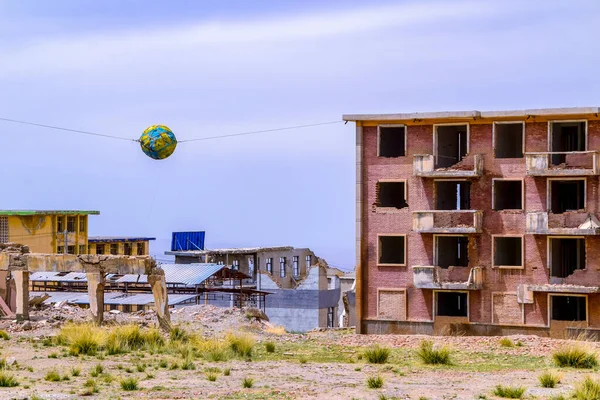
[205, 319]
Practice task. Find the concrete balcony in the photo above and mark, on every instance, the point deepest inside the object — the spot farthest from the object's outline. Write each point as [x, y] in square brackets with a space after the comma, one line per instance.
[569, 223]
[470, 167]
[569, 163]
[430, 277]
[448, 221]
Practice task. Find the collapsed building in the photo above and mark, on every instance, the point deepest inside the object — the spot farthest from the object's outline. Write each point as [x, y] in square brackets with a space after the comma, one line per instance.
[299, 295]
[478, 222]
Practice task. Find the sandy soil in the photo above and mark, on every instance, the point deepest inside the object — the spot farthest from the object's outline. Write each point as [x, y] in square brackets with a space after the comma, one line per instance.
[299, 369]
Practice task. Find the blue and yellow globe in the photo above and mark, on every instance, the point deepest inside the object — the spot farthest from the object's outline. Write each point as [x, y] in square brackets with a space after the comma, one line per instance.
[158, 142]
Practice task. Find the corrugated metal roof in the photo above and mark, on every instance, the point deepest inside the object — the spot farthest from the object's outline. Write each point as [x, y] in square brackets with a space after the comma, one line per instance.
[240, 250]
[94, 239]
[51, 276]
[181, 274]
[110, 298]
[190, 274]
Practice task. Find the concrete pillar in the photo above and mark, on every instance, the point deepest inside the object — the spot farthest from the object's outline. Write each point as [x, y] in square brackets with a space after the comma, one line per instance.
[161, 300]
[96, 294]
[22, 294]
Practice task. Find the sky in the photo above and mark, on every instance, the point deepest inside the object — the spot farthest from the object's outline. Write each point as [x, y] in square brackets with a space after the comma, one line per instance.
[211, 68]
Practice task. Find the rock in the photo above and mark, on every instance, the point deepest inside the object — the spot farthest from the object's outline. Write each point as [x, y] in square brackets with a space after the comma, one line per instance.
[27, 326]
[11, 361]
[256, 313]
[115, 312]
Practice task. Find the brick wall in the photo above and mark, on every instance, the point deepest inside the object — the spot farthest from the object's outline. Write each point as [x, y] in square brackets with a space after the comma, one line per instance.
[420, 196]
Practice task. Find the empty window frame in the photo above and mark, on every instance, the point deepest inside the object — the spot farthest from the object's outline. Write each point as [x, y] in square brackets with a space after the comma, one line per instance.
[451, 144]
[82, 249]
[391, 194]
[236, 265]
[60, 249]
[452, 195]
[71, 224]
[282, 267]
[82, 223]
[296, 264]
[251, 266]
[391, 140]
[270, 265]
[566, 255]
[70, 249]
[507, 252]
[452, 304]
[114, 248]
[566, 195]
[451, 251]
[308, 262]
[568, 308]
[391, 250]
[509, 139]
[141, 249]
[127, 249]
[100, 249]
[507, 194]
[566, 136]
[60, 224]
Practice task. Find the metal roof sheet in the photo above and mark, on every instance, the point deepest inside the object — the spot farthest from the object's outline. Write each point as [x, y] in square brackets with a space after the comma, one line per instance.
[240, 250]
[110, 298]
[182, 274]
[190, 274]
[94, 239]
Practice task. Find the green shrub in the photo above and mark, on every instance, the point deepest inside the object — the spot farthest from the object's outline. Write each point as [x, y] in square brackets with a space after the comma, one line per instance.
[211, 376]
[303, 360]
[549, 379]
[140, 367]
[188, 364]
[509, 392]
[178, 334]
[216, 354]
[506, 342]
[4, 335]
[81, 338]
[163, 363]
[376, 354]
[241, 344]
[374, 382]
[227, 371]
[129, 384]
[8, 380]
[52, 376]
[575, 356]
[248, 383]
[429, 355]
[588, 389]
[270, 347]
[91, 387]
[97, 370]
[75, 371]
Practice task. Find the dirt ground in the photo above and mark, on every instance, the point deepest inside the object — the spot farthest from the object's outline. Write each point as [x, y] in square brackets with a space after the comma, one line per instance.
[316, 365]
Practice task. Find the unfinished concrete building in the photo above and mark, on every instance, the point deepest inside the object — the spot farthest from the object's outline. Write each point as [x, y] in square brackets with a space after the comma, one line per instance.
[479, 222]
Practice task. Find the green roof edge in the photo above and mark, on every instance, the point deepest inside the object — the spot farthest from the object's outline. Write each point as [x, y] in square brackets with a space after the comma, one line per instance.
[47, 212]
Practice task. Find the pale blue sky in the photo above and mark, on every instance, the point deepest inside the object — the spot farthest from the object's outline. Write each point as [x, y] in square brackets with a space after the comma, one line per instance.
[207, 68]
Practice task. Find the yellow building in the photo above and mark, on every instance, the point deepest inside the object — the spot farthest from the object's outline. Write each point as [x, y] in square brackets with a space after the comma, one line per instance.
[46, 231]
[118, 245]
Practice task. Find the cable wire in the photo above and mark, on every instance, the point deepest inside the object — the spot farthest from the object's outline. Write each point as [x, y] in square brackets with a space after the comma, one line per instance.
[66, 129]
[263, 131]
[180, 141]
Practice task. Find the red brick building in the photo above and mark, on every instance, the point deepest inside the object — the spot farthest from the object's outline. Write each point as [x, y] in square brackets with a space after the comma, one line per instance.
[479, 222]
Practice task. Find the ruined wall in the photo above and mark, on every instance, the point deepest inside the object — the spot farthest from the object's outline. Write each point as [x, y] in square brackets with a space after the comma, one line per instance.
[419, 251]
